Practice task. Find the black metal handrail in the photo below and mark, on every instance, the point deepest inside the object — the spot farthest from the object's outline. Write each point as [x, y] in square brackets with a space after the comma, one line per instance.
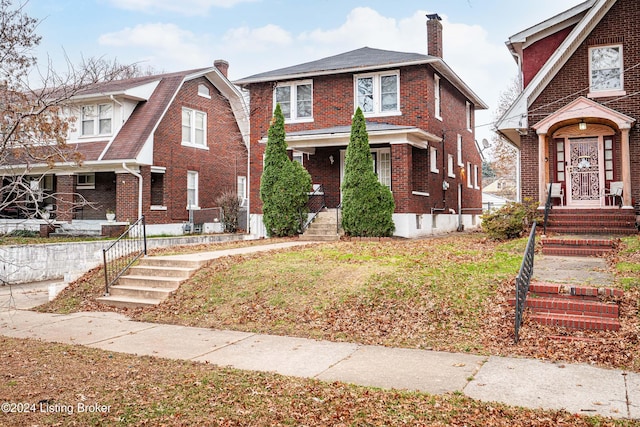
[123, 252]
[316, 203]
[547, 209]
[524, 279]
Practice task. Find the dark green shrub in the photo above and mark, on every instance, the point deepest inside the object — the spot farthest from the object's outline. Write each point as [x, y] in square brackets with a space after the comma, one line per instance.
[367, 205]
[511, 221]
[284, 185]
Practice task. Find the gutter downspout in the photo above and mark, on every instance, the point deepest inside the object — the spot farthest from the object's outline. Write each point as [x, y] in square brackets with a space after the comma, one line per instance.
[137, 175]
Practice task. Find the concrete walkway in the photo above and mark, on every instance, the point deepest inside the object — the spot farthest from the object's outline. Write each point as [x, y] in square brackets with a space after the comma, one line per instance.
[581, 389]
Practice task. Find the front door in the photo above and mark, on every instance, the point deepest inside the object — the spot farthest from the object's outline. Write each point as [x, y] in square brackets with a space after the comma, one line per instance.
[585, 172]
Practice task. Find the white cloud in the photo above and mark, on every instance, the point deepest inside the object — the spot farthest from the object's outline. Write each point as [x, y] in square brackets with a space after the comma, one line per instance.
[162, 44]
[267, 39]
[184, 7]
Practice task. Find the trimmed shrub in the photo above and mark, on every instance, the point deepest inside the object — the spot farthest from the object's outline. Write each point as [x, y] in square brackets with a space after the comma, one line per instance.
[367, 205]
[284, 185]
[511, 221]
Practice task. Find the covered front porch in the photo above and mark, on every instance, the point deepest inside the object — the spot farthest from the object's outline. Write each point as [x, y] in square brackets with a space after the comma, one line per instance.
[584, 157]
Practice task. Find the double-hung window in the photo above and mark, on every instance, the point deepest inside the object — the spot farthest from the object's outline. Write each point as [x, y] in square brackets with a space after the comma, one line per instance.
[96, 119]
[605, 70]
[378, 94]
[296, 100]
[468, 115]
[459, 151]
[192, 189]
[194, 128]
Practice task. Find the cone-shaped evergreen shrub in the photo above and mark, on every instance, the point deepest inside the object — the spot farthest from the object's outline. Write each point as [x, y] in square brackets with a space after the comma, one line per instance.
[284, 185]
[367, 205]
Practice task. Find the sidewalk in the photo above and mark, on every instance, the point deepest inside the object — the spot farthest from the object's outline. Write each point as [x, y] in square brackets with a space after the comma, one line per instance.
[580, 389]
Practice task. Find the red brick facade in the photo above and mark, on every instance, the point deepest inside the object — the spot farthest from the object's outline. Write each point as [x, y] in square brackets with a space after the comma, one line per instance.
[618, 26]
[333, 105]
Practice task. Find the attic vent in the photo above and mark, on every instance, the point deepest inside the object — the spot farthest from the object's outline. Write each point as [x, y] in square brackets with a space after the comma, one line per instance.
[606, 40]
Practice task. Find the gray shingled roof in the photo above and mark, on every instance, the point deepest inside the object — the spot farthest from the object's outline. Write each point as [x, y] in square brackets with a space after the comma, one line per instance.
[365, 57]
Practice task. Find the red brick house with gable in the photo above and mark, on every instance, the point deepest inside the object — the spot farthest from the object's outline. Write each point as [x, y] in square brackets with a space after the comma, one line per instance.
[152, 146]
[576, 120]
[420, 121]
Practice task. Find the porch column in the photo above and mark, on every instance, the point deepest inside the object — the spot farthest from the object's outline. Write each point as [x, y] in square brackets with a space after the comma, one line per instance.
[626, 170]
[65, 195]
[542, 169]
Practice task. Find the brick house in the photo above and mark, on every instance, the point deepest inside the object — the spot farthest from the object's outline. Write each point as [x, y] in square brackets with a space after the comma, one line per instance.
[153, 145]
[420, 121]
[575, 122]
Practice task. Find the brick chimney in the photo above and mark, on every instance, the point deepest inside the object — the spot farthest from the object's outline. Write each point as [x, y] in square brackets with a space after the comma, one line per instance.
[221, 65]
[434, 35]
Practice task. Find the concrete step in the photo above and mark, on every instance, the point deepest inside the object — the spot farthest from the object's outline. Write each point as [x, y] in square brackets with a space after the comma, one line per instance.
[126, 302]
[150, 282]
[168, 262]
[140, 292]
[159, 271]
[570, 321]
[319, 237]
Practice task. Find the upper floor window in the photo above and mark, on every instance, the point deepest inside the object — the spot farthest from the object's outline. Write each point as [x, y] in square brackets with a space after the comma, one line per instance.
[436, 96]
[96, 119]
[605, 67]
[296, 100]
[469, 110]
[194, 127]
[459, 151]
[203, 91]
[378, 94]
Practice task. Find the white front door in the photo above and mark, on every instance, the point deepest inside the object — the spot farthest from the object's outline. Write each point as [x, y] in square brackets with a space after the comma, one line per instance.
[585, 172]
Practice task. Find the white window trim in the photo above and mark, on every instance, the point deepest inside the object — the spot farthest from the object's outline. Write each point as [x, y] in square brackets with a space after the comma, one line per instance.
[451, 168]
[241, 191]
[468, 111]
[377, 96]
[475, 177]
[469, 183]
[595, 93]
[205, 92]
[90, 181]
[293, 101]
[192, 126]
[378, 152]
[459, 151]
[96, 120]
[437, 97]
[196, 182]
[433, 159]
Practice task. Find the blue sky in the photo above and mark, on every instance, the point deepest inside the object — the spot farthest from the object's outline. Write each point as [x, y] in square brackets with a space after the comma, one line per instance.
[261, 35]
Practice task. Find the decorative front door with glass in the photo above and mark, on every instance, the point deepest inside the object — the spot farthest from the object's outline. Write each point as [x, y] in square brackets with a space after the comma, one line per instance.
[584, 172]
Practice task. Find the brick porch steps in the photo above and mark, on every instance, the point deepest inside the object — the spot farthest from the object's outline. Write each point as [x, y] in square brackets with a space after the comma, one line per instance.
[572, 307]
[592, 221]
[576, 246]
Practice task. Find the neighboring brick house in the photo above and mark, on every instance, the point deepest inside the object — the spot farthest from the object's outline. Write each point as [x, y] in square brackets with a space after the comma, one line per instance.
[575, 121]
[420, 121]
[151, 146]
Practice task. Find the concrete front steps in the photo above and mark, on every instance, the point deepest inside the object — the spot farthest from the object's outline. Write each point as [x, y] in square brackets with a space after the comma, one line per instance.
[150, 282]
[578, 246]
[323, 228]
[573, 307]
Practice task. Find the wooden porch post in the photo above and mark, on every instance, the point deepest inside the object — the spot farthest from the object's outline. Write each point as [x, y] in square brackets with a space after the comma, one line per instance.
[626, 170]
[542, 169]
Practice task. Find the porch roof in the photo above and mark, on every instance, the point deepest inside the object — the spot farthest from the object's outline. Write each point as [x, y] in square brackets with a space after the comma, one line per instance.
[379, 133]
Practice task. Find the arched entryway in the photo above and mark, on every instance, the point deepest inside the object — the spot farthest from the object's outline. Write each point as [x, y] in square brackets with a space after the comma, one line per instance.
[584, 147]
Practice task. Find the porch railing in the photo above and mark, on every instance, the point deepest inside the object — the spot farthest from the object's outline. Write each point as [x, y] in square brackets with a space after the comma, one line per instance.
[123, 252]
[316, 203]
[547, 209]
[524, 279]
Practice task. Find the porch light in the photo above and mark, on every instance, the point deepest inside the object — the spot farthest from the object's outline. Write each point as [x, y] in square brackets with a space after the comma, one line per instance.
[331, 159]
[582, 125]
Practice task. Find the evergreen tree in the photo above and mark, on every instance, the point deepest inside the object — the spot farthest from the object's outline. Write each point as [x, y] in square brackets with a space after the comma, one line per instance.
[367, 205]
[284, 185]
